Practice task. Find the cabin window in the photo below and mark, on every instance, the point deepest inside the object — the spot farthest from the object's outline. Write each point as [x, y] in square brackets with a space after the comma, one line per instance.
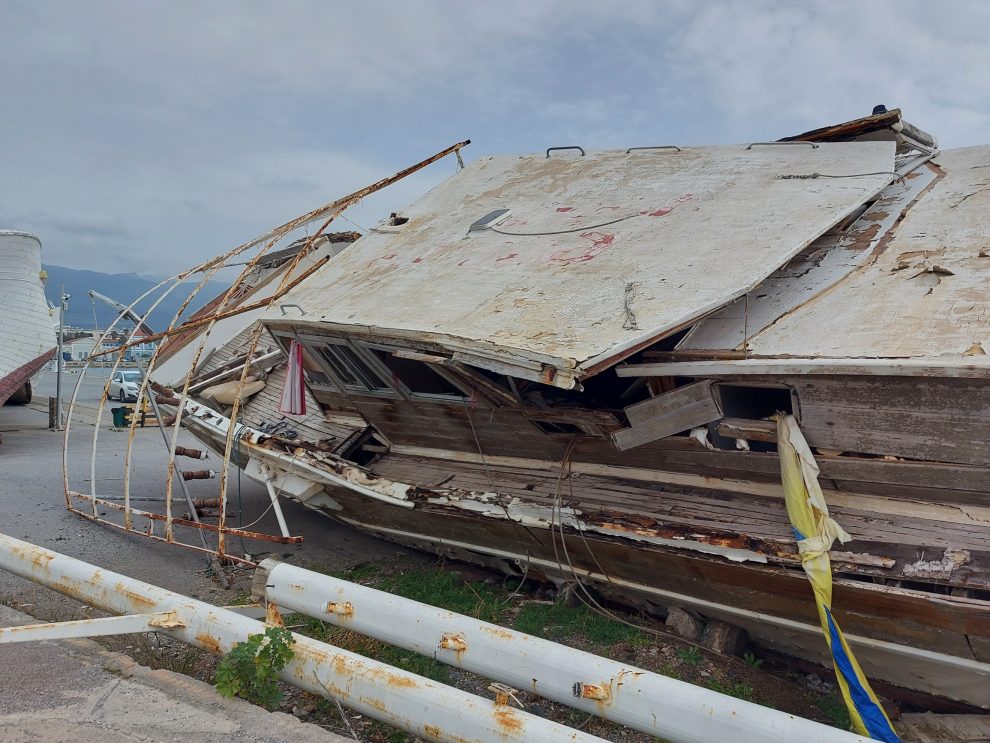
[742, 403]
[754, 403]
[419, 378]
[351, 369]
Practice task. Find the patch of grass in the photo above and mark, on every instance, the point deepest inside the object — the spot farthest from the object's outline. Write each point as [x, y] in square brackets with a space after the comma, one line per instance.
[670, 671]
[560, 622]
[414, 663]
[690, 655]
[360, 573]
[739, 690]
[834, 708]
[346, 639]
[752, 661]
[439, 587]
[242, 598]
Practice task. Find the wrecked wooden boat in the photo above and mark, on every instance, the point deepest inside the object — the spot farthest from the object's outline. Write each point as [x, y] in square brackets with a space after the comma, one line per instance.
[568, 365]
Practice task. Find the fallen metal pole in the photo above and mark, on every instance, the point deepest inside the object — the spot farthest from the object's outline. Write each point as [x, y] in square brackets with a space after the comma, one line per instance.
[639, 699]
[428, 709]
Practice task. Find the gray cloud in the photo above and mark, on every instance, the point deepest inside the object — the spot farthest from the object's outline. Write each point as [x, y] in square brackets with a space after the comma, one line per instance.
[152, 135]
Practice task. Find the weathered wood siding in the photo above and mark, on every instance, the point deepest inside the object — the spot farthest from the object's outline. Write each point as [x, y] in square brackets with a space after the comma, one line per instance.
[942, 420]
[945, 421]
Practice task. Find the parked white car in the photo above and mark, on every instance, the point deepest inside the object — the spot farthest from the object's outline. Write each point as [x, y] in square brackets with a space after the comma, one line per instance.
[123, 385]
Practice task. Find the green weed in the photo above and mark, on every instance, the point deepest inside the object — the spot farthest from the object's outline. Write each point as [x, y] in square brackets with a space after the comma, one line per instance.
[439, 587]
[752, 661]
[560, 622]
[834, 708]
[250, 670]
[739, 690]
[690, 655]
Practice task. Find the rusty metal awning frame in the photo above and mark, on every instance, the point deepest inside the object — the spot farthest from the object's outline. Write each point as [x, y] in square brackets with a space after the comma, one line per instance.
[167, 526]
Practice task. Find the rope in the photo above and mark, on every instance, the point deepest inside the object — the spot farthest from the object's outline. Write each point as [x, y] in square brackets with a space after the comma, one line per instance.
[811, 176]
[563, 232]
[484, 462]
[590, 601]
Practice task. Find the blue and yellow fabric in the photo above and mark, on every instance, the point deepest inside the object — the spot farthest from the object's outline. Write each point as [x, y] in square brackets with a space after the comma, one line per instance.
[815, 532]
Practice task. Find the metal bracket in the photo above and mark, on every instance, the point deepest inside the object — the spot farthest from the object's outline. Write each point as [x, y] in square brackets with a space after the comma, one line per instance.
[776, 144]
[656, 147]
[570, 147]
[289, 304]
[128, 624]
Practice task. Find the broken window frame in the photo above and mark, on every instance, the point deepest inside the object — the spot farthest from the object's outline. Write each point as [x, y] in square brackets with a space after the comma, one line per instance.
[362, 350]
[396, 380]
[315, 344]
[730, 412]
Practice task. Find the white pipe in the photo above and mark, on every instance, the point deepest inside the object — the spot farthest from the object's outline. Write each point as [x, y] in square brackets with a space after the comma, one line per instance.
[639, 699]
[103, 627]
[276, 506]
[234, 371]
[428, 709]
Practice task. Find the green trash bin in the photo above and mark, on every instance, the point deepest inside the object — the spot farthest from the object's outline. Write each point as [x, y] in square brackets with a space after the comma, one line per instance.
[120, 416]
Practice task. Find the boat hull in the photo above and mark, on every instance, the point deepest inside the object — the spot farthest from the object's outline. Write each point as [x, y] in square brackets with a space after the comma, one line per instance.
[911, 639]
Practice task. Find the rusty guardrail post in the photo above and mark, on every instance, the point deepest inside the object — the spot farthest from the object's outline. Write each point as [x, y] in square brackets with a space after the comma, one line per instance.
[428, 709]
[645, 701]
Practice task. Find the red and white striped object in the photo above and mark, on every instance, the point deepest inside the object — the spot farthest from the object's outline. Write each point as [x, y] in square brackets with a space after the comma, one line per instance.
[293, 400]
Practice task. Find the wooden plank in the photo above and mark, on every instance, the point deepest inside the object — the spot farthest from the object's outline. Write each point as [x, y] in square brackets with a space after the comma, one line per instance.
[668, 414]
[948, 366]
[932, 728]
[752, 430]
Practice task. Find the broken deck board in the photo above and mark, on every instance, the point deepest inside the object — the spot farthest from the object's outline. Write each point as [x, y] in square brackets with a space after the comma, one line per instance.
[907, 540]
[667, 414]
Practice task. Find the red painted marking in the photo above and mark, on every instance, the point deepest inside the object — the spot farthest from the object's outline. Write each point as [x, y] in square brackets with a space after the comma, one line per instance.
[417, 260]
[600, 242]
[664, 211]
[565, 208]
[463, 262]
[508, 257]
[389, 257]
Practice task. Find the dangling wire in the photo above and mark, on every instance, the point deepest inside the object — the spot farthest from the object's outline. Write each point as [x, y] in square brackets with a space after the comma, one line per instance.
[557, 519]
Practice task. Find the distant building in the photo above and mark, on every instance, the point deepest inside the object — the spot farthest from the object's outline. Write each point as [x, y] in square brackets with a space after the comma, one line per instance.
[78, 349]
[141, 351]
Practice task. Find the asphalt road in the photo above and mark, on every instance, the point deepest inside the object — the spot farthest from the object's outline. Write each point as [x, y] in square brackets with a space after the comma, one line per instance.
[32, 508]
[76, 690]
[89, 391]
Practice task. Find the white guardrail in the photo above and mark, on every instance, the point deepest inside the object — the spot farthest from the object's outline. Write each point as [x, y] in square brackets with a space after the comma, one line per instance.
[645, 701]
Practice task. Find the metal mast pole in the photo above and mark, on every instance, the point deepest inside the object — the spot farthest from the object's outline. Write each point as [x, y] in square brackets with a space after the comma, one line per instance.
[63, 306]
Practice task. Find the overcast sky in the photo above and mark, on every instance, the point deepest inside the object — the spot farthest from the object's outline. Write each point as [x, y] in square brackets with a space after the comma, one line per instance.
[147, 136]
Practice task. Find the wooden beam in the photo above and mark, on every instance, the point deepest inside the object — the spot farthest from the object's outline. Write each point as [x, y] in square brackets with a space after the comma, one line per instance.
[667, 414]
[751, 430]
[958, 366]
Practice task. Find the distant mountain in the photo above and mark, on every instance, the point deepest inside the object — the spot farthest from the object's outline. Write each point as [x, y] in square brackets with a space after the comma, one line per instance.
[123, 287]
